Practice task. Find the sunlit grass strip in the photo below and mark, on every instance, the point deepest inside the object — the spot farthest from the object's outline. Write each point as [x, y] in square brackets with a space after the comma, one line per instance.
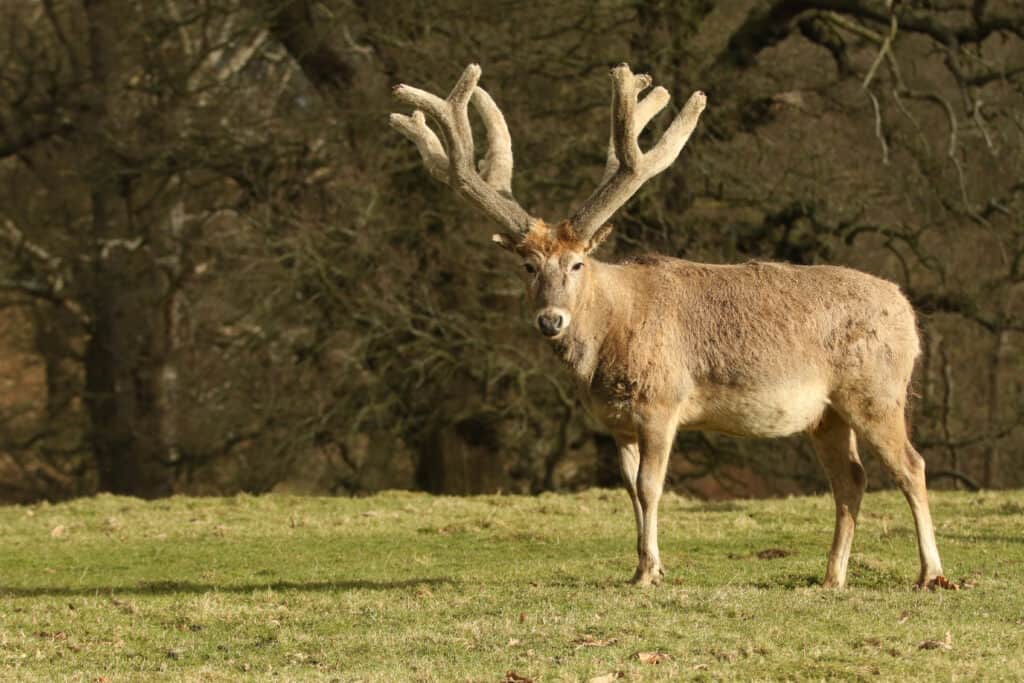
[406, 586]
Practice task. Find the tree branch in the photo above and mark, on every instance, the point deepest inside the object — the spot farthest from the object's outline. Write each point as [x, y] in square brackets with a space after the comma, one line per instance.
[293, 25]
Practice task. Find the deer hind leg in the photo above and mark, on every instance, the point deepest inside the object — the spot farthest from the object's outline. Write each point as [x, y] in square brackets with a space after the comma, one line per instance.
[885, 429]
[629, 462]
[836, 446]
[655, 444]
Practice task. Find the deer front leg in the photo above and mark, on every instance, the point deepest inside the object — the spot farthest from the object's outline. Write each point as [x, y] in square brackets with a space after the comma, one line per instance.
[629, 462]
[655, 444]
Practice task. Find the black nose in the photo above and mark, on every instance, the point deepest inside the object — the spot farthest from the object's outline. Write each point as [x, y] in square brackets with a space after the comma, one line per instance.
[550, 324]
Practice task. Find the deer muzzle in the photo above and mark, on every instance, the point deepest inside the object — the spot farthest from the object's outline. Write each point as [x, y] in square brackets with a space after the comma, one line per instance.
[553, 321]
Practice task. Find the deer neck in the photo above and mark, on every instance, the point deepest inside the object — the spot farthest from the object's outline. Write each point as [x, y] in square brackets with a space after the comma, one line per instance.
[599, 307]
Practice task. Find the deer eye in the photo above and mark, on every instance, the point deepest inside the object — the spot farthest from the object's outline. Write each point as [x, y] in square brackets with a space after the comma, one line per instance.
[577, 265]
[530, 268]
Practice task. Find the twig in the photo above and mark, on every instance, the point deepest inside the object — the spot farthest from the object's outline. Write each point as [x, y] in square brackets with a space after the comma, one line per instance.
[979, 121]
[879, 133]
[882, 52]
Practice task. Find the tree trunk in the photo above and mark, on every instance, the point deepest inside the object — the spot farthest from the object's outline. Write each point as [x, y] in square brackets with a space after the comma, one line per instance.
[292, 23]
[125, 291]
[124, 362]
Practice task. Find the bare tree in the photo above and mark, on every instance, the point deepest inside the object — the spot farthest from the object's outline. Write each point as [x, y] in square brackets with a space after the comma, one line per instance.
[312, 338]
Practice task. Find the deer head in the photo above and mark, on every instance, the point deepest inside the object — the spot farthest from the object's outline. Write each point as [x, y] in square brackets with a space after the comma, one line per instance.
[554, 257]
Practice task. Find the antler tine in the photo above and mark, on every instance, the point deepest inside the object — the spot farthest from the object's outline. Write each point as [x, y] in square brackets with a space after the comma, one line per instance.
[416, 129]
[626, 88]
[491, 191]
[628, 168]
[496, 165]
[458, 129]
[651, 104]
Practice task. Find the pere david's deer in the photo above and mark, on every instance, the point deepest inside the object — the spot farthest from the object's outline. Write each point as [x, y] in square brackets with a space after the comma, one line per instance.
[659, 344]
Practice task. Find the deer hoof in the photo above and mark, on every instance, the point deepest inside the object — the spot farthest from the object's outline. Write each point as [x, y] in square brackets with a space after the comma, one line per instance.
[648, 577]
[936, 583]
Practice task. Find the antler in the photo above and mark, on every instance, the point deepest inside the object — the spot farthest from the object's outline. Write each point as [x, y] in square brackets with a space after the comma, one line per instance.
[628, 168]
[492, 191]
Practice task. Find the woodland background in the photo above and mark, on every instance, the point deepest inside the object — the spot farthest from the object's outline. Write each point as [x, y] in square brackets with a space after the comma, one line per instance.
[221, 270]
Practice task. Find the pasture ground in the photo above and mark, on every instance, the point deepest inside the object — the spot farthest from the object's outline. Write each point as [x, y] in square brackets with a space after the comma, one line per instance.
[409, 587]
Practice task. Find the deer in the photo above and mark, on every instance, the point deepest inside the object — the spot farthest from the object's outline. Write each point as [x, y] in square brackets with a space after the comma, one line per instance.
[659, 344]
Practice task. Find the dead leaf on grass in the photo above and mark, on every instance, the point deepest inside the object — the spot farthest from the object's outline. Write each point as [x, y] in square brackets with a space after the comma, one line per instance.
[967, 584]
[652, 657]
[588, 640]
[513, 677]
[58, 531]
[944, 644]
[904, 617]
[512, 642]
[59, 635]
[606, 678]
[126, 607]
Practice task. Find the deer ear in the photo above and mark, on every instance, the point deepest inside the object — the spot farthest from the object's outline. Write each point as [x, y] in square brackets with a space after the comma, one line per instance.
[504, 242]
[600, 236]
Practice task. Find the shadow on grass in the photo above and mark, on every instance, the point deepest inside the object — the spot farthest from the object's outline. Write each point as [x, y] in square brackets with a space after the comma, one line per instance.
[979, 537]
[859, 576]
[715, 506]
[788, 582]
[175, 587]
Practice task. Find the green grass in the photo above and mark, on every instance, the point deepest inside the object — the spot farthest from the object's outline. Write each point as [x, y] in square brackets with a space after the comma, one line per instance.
[405, 586]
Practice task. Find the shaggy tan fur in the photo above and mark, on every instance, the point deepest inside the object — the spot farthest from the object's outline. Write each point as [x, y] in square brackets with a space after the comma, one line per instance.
[543, 238]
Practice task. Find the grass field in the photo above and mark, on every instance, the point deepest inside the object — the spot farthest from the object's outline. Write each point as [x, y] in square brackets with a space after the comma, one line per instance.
[406, 586]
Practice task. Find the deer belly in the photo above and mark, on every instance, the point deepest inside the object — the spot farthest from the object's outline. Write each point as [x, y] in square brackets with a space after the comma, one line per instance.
[765, 411]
